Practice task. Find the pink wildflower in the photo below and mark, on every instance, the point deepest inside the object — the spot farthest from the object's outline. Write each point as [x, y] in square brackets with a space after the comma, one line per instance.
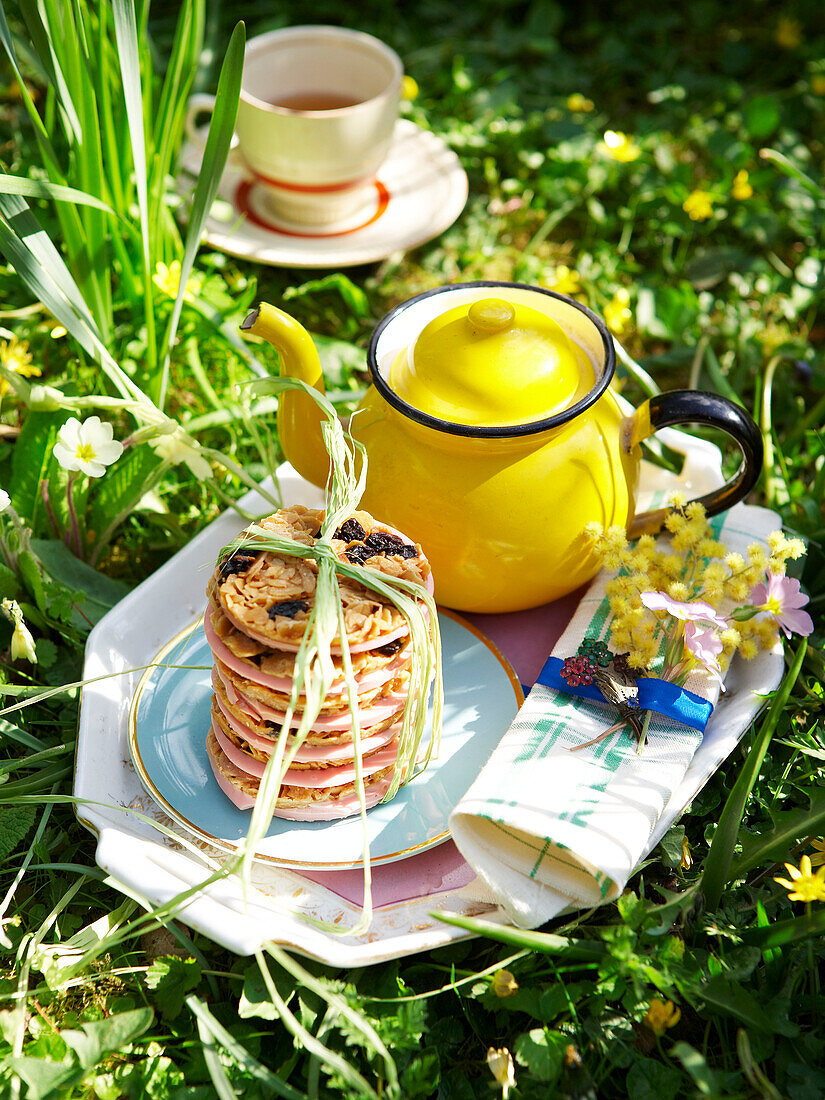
[781, 599]
[695, 612]
[705, 646]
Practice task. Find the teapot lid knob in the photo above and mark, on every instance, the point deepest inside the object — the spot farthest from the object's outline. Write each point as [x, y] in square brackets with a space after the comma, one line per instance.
[491, 315]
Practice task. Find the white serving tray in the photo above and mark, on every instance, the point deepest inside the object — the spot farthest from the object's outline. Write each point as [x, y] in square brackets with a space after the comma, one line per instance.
[143, 861]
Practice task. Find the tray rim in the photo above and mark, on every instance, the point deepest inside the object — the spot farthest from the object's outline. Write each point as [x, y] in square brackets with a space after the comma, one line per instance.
[150, 867]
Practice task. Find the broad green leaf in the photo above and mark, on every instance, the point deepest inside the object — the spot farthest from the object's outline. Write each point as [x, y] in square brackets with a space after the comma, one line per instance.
[788, 827]
[255, 1001]
[30, 572]
[101, 592]
[542, 1052]
[94, 1040]
[731, 999]
[340, 360]
[9, 583]
[717, 870]
[15, 822]
[122, 487]
[30, 463]
[632, 909]
[652, 1080]
[670, 846]
[171, 978]
[43, 1077]
[421, 1076]
[761, 115]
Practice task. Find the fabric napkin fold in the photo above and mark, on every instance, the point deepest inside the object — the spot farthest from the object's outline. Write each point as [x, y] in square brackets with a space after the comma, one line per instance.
[545, 827]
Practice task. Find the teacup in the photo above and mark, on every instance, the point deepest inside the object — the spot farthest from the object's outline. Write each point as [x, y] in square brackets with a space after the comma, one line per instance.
[317, 111]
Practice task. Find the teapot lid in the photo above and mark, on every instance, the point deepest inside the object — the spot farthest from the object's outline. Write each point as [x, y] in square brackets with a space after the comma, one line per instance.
[492, 363]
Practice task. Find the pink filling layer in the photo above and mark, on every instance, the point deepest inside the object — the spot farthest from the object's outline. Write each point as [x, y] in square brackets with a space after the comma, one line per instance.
[341, 807]
[315, 811]
[335, 776]
[365, 682]
[338, 723]
[238, 798]
[310, 754]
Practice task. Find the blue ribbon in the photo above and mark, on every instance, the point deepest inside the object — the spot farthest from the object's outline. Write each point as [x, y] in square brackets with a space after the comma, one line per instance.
[659, 695]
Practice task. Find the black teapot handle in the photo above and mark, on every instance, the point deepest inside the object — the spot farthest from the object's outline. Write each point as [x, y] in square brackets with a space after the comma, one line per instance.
[696, 407]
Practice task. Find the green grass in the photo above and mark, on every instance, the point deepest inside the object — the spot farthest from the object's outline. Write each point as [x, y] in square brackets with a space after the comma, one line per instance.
[733, 303]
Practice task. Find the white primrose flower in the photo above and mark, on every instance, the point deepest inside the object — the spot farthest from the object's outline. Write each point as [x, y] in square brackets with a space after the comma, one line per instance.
[176, 447]
[88, 447]
[22, 642]
[5, 500]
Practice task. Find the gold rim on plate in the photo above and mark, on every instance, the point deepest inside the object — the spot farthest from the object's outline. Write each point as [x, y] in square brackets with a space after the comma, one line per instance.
[227, 845]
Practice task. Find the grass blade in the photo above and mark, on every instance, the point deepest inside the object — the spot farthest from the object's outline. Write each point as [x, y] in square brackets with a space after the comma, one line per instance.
[40, 189]
[786, 931]
[44, 43]
[209, 1026]
[720, 857]
[221, 129]
[127, 46]
[548, 943]
[125, 23]
[172, 106]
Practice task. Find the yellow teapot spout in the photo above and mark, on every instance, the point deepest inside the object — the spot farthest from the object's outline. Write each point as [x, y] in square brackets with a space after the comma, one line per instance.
[299, 417]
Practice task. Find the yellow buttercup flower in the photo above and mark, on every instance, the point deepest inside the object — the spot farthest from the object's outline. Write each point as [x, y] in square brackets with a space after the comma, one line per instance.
[686, 862]
[578, 102]
[788, 33]
[15, 356]
[698, 206]
[818, 858]
[661, 1015]
[409, 88]
[167, 279]
[619, 146]
[617, 312]
[565, 280]
[805, 884]
[741, 187]
[504, 984]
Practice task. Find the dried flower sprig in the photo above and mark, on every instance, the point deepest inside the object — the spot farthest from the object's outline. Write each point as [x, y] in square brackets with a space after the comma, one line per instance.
[692, 603]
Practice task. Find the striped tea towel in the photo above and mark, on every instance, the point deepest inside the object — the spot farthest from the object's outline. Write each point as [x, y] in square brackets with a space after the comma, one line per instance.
[544, 827]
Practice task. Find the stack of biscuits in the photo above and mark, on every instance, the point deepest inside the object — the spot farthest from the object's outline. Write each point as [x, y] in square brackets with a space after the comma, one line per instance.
[258, 610]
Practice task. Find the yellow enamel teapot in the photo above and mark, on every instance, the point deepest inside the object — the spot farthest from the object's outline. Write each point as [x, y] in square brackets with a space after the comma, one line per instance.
[493, 436]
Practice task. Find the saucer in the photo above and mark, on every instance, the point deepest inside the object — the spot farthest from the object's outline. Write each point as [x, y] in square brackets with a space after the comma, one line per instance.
[170, 711]
[420, 191]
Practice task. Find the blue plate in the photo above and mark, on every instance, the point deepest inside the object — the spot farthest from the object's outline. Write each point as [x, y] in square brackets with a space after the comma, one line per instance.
[170, 718]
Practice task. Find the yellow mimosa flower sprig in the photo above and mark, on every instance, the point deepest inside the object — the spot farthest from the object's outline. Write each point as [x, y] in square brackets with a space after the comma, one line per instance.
[692, 603]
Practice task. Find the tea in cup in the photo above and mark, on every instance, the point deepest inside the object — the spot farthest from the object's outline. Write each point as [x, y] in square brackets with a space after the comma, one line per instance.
[317, 111]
